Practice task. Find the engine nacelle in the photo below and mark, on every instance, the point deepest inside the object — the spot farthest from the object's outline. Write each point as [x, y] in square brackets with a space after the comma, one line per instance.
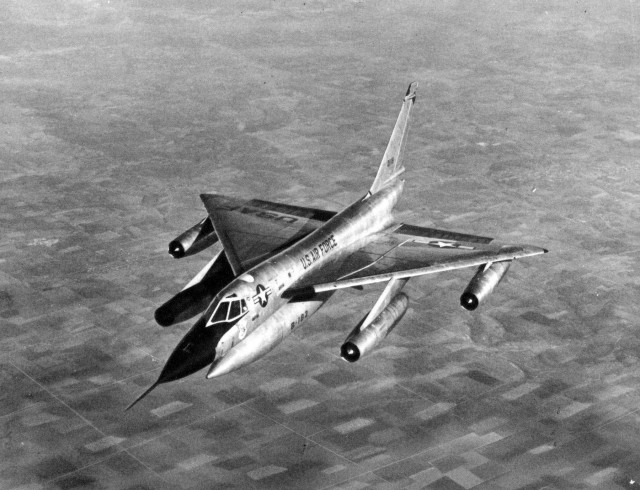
[195, 298]
[482, 284]
[194, 240]
[362, 341]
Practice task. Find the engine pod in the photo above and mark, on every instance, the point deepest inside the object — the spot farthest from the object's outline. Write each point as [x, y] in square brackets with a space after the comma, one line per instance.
[363, 341]
[481, 285]
[194, 240]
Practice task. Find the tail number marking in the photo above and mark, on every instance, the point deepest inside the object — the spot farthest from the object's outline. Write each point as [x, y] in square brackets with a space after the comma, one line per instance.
[299, 320]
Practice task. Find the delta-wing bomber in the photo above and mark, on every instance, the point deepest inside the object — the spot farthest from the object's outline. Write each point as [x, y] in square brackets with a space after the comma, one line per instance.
[280, 263]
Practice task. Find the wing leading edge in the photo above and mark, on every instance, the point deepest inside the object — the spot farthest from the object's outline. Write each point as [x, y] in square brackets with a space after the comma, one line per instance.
[508, 253]
[252, 230]
[407, 251]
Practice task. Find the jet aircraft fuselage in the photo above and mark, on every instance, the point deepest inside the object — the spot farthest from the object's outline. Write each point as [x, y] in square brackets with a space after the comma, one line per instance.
[280, 263]
[258, 317]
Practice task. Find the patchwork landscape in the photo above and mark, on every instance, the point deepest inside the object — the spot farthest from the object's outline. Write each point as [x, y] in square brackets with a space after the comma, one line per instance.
[116, 115]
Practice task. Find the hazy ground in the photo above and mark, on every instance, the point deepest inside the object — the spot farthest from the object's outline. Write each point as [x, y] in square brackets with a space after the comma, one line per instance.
[116, 115]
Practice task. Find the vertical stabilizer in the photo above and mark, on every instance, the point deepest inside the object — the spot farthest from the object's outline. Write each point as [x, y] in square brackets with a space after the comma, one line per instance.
[391, 167]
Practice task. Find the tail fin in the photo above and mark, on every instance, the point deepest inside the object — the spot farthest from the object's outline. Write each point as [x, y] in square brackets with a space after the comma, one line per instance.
[391, 166]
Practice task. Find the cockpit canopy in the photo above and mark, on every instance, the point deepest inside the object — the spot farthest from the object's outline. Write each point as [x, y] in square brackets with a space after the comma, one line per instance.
[228, 309]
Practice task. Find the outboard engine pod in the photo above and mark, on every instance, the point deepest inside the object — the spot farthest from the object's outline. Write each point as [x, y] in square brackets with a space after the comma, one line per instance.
[363, 341]
[482, 284]
[194, 240]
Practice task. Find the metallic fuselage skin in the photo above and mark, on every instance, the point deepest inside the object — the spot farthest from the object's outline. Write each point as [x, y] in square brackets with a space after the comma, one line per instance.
[270, 316]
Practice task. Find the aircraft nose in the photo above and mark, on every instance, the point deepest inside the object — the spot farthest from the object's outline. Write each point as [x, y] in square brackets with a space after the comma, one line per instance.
[194, 352]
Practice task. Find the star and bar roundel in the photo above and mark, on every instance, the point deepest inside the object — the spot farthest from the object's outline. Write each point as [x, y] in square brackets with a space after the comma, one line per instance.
[262, 295]
[447, 244]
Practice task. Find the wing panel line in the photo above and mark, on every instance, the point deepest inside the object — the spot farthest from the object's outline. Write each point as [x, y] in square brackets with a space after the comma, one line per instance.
[509, 253]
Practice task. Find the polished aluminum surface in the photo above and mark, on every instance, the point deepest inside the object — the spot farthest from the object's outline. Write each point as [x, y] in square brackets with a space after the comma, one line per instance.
[481, 285]
[363, 340]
